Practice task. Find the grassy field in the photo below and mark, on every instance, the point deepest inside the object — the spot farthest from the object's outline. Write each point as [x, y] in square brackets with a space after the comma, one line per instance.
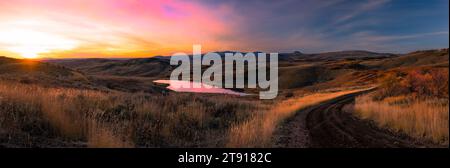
[416, 103]
[419, 118]
[34, 116]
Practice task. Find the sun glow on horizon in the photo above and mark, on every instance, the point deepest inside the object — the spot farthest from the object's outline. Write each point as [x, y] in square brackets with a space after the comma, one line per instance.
[73, 29]
[145, 28]
[30, 43]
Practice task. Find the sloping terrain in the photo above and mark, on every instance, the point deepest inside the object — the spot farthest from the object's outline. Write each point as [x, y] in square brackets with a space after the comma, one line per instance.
[296, 70]
[50, 74]
[336, 124]
[28, 71]
[140, 67]
[349, 55]
[434, 58]
[333, 56]
[355, 70]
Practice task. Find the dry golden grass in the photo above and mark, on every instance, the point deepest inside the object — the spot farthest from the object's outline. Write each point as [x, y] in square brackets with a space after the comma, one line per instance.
[65, 110]
[117, 119]
[257, 131]
[417, 117]
[102, 137]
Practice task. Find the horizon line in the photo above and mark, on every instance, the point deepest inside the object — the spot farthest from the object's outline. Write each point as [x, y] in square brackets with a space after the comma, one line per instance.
[226, 51]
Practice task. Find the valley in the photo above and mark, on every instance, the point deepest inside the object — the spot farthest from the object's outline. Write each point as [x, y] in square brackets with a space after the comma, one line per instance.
[116, 103]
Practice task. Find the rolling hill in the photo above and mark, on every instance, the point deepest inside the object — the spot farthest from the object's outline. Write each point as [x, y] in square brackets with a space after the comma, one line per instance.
[435, 58]
[296, 70]
[64, 74]
[28, 71]
[141, 67]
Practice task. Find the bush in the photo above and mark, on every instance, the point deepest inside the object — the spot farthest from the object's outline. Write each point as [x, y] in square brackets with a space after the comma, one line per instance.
[422, 83]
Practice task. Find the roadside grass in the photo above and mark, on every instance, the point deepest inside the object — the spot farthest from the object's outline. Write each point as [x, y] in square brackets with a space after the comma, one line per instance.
[258, 130]
[414, 102]
[424, 119]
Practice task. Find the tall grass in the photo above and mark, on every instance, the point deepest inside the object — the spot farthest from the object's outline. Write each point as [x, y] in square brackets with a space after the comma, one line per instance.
[257, 131]
[414, 102]
[426, 119]
[71, 117]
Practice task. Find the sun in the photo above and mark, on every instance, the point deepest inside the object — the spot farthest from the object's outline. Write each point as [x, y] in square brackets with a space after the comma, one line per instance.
[29, 43]
[29, 55]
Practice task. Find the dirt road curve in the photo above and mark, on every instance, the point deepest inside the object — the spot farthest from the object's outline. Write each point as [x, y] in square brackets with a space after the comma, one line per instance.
[328, 126]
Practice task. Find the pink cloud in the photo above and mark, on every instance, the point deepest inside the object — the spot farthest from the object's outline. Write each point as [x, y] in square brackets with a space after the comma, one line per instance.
[163, 23]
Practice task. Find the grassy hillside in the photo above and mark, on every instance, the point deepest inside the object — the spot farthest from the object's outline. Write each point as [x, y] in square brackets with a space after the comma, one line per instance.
[28, 71]
[50, 74]
[142, 67]
[297, 70]
[434, 58]
[413, 95]
[34, 116]
[415, 103]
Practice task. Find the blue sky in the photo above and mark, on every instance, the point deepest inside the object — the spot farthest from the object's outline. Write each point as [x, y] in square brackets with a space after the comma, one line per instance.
[316, 26]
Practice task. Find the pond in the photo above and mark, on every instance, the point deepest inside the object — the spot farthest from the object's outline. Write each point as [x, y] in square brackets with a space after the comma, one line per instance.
[176, 85]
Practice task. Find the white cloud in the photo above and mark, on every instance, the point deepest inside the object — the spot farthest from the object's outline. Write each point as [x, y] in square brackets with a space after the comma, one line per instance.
[360, 9]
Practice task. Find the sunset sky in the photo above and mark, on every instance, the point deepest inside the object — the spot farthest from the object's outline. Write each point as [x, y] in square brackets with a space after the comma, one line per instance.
[143, 28]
